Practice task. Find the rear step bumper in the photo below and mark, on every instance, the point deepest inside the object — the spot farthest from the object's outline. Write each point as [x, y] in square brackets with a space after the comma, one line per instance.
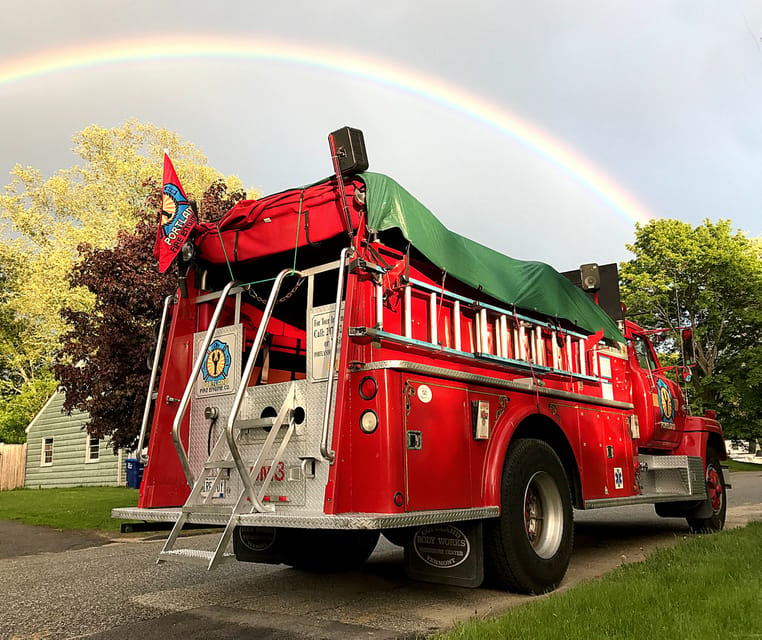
[306, 520]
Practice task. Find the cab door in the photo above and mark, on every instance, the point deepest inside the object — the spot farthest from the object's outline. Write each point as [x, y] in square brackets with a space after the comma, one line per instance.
[658, 400]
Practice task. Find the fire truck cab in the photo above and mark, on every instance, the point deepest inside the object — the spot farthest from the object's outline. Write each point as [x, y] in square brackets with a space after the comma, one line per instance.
[337, 365]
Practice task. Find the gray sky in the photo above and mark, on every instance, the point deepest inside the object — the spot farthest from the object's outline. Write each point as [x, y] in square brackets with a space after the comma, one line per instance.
[660, 99]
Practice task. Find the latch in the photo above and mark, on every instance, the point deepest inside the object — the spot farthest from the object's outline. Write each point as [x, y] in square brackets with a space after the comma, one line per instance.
[414, 440]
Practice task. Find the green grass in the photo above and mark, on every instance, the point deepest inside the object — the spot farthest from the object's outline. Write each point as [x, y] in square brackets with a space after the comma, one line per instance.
[742, 466]
[75, 508]
[705, 587]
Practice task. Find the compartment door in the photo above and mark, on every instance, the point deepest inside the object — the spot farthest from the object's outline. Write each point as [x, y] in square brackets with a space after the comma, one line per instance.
[437, 432]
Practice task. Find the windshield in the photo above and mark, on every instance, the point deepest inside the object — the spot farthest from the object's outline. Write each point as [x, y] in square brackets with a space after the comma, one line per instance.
[645, 354]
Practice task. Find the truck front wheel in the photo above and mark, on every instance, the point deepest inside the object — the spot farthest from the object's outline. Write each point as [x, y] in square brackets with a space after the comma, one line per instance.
[528, 548]
[715, 504]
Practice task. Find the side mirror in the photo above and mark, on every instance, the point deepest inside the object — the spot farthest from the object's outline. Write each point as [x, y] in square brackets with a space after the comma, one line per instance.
[689, 348]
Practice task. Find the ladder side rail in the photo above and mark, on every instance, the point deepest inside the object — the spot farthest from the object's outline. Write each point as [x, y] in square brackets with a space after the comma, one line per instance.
[284, 443]
[246, 474]
[255, 348]
[169, 544]
[192, 380]
[324, 447]
[154, 370]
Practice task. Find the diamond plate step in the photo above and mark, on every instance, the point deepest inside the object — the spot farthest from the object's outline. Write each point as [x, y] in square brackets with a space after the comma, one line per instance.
[193, 556]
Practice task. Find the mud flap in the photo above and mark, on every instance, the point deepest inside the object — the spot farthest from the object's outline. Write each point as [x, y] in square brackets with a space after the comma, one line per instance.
[447, 554]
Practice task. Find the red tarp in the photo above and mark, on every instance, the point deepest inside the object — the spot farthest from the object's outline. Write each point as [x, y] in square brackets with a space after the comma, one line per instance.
[256, 228]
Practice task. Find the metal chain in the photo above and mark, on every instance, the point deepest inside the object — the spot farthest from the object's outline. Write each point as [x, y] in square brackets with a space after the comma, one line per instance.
[262, 300]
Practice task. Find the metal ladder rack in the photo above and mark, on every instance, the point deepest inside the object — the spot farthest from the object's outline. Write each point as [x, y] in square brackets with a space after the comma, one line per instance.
[226, 456]
[485, 331]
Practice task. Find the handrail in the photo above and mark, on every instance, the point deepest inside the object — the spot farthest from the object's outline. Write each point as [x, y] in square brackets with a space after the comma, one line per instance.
[154, 369]
[192, 380]
[324, 449]
[255, 347]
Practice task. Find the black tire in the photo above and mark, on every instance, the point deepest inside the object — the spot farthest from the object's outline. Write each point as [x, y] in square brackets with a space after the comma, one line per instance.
[716, 500]
[528, 548]
[326, 551]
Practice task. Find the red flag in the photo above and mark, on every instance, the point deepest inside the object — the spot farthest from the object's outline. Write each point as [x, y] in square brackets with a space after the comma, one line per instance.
[178, 218]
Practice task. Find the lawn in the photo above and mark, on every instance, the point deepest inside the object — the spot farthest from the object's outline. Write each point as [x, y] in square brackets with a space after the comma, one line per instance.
[742, 466]
[74, 508]
[707, 586]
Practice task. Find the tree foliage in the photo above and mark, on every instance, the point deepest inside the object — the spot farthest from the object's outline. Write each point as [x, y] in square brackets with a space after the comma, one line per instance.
[708, 277]
[102, 358]
[43, 221]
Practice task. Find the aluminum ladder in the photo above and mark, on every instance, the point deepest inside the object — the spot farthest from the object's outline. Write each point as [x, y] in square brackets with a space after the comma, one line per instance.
[226, 457]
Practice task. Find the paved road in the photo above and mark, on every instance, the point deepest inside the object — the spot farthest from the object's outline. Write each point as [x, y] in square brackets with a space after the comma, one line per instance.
[115, 590]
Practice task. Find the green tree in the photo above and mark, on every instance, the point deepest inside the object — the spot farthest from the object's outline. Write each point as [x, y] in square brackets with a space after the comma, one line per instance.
[43, 221]
[708, 277]
[24, 386]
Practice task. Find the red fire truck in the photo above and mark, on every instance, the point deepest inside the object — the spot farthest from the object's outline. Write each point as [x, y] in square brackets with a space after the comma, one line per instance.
[337, 365]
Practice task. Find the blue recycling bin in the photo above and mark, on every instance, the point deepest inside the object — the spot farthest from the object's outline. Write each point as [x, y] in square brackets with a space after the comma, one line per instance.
[134, 472]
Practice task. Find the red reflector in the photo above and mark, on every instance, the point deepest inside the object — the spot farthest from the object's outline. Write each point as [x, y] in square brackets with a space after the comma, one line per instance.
[266, 499]
[368, 388]
[282, 498]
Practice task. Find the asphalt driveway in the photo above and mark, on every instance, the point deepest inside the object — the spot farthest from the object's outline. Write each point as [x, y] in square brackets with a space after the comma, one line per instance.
[17, 539]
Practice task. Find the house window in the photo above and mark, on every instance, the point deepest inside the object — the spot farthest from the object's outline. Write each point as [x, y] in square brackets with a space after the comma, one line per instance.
[47, 452]
[93, 450]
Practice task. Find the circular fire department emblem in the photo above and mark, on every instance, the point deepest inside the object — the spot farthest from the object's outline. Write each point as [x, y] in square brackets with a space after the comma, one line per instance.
[217, 362]
[666, 401]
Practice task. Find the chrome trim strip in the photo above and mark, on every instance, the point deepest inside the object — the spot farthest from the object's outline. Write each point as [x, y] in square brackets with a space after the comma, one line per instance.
[525, 386]
[653, 498]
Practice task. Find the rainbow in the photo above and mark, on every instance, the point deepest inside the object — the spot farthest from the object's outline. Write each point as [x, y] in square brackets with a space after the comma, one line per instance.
[189, 46]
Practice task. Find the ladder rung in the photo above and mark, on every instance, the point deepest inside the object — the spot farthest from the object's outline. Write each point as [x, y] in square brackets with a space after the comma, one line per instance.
[219, 464]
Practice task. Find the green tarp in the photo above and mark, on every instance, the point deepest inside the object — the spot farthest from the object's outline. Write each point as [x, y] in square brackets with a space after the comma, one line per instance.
[533, 286]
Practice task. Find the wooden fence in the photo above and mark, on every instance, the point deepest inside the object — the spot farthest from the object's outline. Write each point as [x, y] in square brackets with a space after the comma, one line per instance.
[12, 466]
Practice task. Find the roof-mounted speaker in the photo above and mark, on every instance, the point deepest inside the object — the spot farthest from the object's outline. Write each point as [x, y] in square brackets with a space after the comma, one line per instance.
[348, 146]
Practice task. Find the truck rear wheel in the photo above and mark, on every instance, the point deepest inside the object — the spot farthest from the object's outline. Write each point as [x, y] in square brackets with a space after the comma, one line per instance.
[528, 548]
[715, 488]
[326, 550]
